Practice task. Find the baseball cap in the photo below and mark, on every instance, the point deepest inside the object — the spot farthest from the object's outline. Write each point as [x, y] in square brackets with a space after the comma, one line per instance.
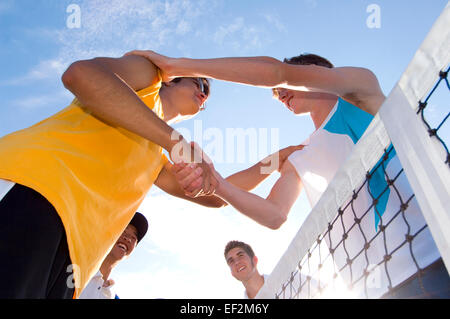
[140, 222]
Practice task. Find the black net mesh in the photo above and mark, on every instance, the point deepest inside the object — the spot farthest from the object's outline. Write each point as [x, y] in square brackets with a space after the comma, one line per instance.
[436, 122]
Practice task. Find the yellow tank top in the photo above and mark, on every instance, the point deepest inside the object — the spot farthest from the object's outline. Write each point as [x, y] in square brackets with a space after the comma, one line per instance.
[95, 176]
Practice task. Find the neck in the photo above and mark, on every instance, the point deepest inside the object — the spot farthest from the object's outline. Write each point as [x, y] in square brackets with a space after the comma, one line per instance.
[107, 266]
[322, 109]
[253, 284]
[167, 105]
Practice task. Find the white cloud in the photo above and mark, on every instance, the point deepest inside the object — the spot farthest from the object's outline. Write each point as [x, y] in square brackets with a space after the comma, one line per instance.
[183, 27]
[239, 35]
[6, 6]
[275, 22]
[311, 3]
[43, 100]
[46, 69]
[113, 27]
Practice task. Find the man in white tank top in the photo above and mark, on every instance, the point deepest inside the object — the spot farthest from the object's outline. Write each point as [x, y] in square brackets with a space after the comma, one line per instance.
[341, 102]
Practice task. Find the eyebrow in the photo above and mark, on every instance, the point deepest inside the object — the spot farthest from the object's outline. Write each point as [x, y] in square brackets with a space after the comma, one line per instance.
[238, 254]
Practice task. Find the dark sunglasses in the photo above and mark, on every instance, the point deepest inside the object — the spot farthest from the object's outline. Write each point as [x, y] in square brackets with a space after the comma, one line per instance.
[203, 85]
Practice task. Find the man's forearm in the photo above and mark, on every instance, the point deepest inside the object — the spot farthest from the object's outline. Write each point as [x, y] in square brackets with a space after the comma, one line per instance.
[251, 177]
[256, 71]
[257, 208]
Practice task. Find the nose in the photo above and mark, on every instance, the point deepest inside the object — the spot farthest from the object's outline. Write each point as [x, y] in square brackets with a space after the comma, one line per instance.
[126, 238]
[203, 97]
[282, 95]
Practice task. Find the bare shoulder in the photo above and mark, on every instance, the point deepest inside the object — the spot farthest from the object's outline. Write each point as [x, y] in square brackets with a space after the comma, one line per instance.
[363, 88]
[137, 72]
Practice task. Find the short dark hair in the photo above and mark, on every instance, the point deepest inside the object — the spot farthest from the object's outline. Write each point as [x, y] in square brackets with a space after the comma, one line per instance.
[309, 58]
[239, 244]
[305, 59]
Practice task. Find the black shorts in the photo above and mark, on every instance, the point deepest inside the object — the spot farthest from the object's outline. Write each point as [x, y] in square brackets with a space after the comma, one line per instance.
[33, 248]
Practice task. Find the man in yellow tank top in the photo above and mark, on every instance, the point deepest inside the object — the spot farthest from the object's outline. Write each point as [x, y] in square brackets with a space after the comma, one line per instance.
[91, 165]
[70, 184]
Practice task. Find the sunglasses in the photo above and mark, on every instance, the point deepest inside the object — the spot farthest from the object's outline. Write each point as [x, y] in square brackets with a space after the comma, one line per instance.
[203, 86]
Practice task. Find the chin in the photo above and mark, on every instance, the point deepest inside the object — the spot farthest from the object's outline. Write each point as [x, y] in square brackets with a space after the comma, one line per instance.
[299, 113]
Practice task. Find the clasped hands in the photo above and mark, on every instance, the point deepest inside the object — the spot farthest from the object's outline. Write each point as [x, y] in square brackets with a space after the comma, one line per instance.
[199, 178]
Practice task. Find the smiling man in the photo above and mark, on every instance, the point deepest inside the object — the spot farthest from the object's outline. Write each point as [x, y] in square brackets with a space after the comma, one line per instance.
[100, 286]
[242, 262]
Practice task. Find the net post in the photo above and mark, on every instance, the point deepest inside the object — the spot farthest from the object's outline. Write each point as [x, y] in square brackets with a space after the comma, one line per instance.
[421, 157]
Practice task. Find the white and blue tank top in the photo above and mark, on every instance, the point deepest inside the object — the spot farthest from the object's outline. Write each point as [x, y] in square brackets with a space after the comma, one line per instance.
[324, 153]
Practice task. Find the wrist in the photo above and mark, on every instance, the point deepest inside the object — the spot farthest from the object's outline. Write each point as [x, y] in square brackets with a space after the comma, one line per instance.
[268, 164]
[223, 188]
[176, 67]
[179, 149]
[184, 67]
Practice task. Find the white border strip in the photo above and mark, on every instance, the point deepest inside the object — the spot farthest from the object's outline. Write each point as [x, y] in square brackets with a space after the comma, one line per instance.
[423, 157]
[419, 77]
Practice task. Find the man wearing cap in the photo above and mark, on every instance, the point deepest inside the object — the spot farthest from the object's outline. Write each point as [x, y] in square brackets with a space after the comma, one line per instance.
[100, 286]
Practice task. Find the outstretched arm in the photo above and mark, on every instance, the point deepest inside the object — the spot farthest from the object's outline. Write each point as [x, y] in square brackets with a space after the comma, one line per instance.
[271, 212]
[184, 180]
[359, 85]
[246, 179]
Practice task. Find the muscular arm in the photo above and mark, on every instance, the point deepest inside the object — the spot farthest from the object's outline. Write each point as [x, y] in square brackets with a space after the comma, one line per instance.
[359, 85]
[106, 87]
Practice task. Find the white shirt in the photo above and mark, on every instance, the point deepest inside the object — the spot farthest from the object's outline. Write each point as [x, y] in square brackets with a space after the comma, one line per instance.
[245, 291]
[325, 151]
[95, 289]
[5, 187]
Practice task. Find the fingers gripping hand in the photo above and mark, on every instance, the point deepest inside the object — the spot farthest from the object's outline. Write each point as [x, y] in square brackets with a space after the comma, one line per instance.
[209, 179]
[189, 177]
[198, 178]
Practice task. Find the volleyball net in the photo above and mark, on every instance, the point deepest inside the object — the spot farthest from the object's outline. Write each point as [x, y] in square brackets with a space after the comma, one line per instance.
[385, 216]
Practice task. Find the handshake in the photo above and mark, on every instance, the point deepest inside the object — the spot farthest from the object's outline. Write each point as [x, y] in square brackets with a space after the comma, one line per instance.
[194, 170]
[196, 175]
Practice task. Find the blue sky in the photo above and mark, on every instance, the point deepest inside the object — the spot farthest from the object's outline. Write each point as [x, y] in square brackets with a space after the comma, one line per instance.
[182, 253]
